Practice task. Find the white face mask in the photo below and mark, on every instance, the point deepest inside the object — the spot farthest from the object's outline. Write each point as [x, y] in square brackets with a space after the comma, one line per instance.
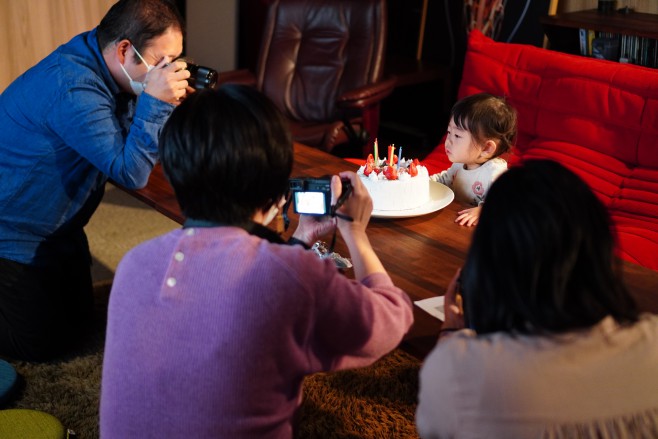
[136, 86]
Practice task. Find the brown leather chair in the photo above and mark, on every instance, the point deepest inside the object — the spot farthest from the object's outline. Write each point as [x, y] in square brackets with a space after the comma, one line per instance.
[321, 62]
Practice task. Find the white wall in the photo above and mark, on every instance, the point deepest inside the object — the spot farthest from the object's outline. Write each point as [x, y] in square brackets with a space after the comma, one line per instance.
[212, 27]
[31, 29]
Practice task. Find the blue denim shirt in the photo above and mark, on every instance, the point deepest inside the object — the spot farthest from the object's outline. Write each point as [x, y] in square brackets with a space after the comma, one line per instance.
[65, 128]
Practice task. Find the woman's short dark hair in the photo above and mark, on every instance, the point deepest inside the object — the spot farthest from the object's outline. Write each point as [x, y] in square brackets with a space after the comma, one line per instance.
[138, 21]
[227, 153]
[542, 257]
[487, 116]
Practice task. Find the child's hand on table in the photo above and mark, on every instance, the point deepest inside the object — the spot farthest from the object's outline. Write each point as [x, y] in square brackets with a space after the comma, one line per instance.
[468, 217]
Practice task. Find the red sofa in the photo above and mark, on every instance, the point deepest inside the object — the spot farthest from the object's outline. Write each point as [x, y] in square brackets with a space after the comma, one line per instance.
[598, 118]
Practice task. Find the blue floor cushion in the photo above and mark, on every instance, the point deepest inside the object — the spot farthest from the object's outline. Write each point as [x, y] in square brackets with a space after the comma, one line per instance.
[8, 380]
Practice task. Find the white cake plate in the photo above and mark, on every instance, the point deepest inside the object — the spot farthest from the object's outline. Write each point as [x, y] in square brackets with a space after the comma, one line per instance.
[440, 196]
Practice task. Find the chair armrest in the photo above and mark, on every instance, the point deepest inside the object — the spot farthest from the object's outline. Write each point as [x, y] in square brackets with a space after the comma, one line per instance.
[242, 76]
[367, 95]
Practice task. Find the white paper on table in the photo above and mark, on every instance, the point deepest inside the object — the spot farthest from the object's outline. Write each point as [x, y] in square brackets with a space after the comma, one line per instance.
[434, 306]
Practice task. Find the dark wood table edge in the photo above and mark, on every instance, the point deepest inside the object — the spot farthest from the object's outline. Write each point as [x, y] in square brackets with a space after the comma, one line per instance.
[642, 282]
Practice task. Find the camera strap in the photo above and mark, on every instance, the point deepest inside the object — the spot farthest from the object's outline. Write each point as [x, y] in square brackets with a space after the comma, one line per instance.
[250, 227]
[341, 216]
[284, 211]
[339, 202]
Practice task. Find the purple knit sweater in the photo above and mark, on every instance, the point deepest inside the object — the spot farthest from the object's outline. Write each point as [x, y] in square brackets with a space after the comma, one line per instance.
[211, 331]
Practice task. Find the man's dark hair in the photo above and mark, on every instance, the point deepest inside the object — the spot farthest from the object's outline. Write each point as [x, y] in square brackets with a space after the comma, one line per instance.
[542, 257]
[138, 21]
[227, 153]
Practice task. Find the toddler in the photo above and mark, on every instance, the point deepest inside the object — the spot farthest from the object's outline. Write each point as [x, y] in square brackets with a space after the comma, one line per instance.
[481, 128]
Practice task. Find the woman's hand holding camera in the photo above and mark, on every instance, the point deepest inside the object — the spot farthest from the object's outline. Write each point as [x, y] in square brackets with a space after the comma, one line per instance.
[168, 81]
[352, 218]
[358, 207]
[312, 227]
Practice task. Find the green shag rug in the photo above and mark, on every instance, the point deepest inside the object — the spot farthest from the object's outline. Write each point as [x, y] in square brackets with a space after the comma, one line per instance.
[373, 402]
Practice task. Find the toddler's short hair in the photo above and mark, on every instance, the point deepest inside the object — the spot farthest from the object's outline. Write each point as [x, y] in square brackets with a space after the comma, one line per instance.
[486, 117]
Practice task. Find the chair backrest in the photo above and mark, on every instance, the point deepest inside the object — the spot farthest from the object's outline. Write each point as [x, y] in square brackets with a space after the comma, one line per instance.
[314, 50]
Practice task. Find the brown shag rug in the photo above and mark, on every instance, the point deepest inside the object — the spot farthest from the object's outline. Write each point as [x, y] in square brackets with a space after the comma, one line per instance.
[373, 402]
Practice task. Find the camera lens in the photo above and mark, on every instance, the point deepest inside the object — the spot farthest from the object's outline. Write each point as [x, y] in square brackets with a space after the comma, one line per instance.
[201, 77]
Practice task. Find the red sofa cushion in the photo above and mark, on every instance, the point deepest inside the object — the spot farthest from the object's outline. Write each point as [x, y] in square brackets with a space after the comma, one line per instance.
[598, 118]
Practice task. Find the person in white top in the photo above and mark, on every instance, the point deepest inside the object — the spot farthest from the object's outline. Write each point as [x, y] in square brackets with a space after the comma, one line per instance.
[541, 338]
[482, 127]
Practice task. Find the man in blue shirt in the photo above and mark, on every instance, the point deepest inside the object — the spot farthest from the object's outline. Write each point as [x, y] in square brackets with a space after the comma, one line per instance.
[89, 111]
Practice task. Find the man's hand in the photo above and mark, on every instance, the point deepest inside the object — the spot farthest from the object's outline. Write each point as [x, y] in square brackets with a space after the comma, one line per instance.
[168, 81]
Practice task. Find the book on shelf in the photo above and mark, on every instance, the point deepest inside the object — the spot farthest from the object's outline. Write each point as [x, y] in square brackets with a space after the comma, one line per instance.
[582, 33]
[606, 48]
[590, 39]
[623, 48]
[639, 50]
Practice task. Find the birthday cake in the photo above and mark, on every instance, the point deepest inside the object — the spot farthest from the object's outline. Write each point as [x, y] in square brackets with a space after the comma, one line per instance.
[395, 184]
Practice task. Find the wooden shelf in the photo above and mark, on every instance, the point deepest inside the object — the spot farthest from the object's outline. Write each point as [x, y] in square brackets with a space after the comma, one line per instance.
[633, 23]
[640, 29]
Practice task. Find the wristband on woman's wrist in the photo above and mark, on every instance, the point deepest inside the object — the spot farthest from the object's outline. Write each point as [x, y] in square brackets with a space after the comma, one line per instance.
[445, 330]
[295, 241]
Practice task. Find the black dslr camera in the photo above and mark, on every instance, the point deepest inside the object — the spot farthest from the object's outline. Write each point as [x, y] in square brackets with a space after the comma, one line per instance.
[201, 77]
[312, 196]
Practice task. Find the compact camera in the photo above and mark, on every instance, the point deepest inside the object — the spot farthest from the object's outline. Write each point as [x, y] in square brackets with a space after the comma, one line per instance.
[201, 77]
[312, 196]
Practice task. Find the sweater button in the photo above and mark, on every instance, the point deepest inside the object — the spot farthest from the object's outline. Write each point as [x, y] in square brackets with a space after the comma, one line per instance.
[171, 282]
[179, 256]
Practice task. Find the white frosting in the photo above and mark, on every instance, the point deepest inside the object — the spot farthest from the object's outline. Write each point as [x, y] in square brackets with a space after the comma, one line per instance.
[406, 192]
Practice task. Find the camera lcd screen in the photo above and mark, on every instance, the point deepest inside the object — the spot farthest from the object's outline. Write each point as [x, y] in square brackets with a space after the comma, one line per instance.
[311, 203]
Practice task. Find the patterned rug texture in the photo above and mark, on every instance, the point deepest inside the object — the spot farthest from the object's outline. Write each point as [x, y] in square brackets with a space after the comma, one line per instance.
[373, 402]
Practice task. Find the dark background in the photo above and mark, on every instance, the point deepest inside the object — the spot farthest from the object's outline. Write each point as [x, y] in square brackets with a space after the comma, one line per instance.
[416, 114]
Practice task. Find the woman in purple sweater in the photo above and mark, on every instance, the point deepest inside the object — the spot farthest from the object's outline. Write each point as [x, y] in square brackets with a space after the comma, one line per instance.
[212, 328]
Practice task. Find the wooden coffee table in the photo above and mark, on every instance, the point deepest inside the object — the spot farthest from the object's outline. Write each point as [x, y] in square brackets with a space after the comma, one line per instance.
[421, 254]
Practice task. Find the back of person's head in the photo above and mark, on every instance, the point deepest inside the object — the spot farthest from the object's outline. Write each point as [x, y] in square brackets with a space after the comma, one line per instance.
[542, 256]
[487, 117]
[138, 21]
[226, 153]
